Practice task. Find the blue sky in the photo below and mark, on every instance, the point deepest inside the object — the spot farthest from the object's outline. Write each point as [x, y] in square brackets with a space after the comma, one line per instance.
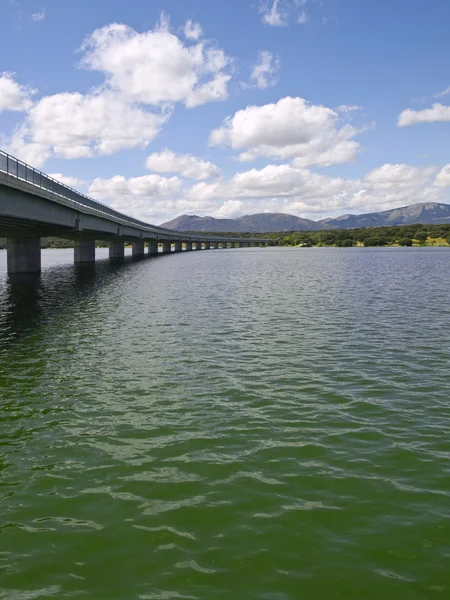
[311, 107]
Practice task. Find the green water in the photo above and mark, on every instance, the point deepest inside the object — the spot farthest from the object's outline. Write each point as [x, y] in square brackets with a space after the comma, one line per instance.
[239, 424]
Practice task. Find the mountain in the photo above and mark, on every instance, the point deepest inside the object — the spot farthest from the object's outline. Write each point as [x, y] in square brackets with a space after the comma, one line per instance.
[428, 213]
[260, 223]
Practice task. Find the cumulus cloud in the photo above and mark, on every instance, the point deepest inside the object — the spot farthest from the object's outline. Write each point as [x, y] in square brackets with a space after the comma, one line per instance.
[264, 73]
[150, 198]
[150, 186]
[145, 75]
[38, 16]
[443, 177]
[76, 125]
[284, 188]
[290, 129]
[72, 182]
[274, 188]
[397, 176]
[184, 164]
[156, 67]
[192, 31]
[438, 112]
[13, 95]
[280, 13]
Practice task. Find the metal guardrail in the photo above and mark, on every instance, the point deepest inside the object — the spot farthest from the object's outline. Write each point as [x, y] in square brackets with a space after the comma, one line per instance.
[17, 168]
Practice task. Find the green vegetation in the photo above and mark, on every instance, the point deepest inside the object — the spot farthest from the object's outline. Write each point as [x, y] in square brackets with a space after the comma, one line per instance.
[400, 235]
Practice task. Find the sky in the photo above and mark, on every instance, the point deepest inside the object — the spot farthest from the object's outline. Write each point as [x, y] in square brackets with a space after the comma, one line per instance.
[159, 108]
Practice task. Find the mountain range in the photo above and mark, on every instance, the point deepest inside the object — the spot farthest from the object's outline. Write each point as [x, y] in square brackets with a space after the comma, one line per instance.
[428, 213]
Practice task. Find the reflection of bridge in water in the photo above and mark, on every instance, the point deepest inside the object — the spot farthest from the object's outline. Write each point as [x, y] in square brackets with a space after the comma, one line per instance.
[33, 205]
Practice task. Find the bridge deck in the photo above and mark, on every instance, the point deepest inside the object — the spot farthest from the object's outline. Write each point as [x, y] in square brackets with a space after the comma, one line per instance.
[34, 205]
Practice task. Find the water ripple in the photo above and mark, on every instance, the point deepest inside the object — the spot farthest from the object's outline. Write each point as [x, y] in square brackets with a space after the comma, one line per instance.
[251, 424]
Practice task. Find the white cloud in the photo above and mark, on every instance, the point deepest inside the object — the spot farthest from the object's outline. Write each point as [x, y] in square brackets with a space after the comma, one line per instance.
[438, 112]
[265, 71]
[39, 16]
[445, 92]
[274, 188]
[150, 186]
[13, 96]
[72, 182]
[150, 197]
[280, 13]
[73, 125]
[290, 129]
[153, 68]
[302, 17]
[192, 31]
[156, 67]
[185, 164]
[443, 177]
[272, 15]
[283, 188]
[348, 108]
[398, 176]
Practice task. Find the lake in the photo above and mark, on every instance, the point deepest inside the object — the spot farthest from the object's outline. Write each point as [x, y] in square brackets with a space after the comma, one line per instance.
[244, 424]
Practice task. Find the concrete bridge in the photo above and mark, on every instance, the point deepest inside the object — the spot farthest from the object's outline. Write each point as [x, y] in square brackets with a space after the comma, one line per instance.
[34, 205]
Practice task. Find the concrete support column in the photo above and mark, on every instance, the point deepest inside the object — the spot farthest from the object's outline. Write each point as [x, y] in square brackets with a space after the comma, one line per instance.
[152, 247]
[84, 251]
[198, 245]
[23, 255]
[116, 250]
[207, 246]
[137, 248]
[166, 246]
[188, 246]
[214, 245]
[178, 246]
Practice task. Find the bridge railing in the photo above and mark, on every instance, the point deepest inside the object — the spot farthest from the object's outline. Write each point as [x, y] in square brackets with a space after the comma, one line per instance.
[17, 168]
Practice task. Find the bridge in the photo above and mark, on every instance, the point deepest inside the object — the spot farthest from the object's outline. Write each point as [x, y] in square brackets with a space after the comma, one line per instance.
[34, 205]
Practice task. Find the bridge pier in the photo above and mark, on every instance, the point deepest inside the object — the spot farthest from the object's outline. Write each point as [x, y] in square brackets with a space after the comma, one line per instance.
[178, 246]
[23, 255]
[152, 247]
[188, 246]
[166, 246]
[198, 245]
[214, 245]
[116, 250]
[84, 251]
[137, 248]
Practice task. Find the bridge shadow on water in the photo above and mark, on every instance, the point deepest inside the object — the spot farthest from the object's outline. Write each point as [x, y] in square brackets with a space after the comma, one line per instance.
[28, 301]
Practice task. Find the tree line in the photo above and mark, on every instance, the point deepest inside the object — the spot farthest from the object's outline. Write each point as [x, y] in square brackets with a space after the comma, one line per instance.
[402, 235]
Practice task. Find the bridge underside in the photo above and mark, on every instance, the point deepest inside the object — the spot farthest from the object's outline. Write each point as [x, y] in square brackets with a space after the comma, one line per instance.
[27, 216]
